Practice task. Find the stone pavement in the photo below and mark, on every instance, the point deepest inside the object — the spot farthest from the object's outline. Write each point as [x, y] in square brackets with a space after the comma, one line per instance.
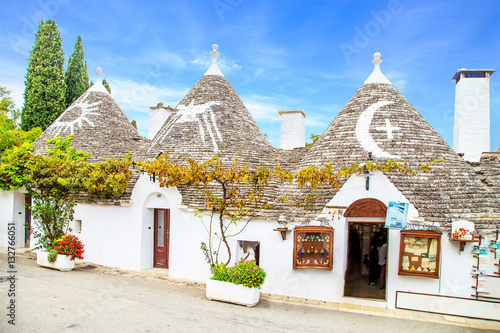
[95, 298]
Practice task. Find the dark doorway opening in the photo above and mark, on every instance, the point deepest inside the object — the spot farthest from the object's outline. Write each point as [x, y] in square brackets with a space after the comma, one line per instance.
[361, 235]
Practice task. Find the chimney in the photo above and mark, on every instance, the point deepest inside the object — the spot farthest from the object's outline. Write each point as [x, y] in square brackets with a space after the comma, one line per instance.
[293, 133]
[157, 116]
[471, 133]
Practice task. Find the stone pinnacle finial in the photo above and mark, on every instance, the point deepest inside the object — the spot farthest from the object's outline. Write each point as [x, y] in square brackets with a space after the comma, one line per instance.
[98, 85]
[376, 76]
[214, 67]
[214, 53]
[376, 59]
[99, 73]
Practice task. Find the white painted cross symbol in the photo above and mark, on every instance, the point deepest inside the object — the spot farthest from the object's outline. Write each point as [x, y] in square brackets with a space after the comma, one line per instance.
[388, 128]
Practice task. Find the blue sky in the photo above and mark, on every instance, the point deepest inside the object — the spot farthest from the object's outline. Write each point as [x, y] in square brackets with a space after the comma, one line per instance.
[310, 55]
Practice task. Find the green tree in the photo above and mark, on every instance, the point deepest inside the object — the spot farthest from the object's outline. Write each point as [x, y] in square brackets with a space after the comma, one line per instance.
[7, 105]
[10, 135]
[314, 138]
[106, 85]
[44, 93]
[52, 183]
[76, 78]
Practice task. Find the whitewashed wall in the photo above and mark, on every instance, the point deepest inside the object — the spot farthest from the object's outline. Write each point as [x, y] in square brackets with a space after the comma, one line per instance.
[12, 210]
[123, 237]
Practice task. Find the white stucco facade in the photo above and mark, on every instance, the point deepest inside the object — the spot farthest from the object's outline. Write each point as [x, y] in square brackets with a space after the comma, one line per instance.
[123, 237]
[12, 218]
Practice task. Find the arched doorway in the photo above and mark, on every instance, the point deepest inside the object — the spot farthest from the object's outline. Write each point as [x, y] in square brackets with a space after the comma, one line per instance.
[365, 222]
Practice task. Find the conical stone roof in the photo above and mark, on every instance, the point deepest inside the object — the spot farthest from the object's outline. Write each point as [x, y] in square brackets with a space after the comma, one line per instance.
[211, 119]
[378, 119]
[98, 126]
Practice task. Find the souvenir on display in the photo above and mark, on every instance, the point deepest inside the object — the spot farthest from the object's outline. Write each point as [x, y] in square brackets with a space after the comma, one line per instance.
[313, 247]
[462, 230]
[283, 221]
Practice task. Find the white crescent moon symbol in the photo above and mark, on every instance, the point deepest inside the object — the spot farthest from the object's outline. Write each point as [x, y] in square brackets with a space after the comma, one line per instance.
[363, 131]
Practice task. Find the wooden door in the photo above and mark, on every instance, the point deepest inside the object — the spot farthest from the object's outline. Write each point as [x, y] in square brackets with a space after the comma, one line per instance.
[27, 220]
[161, 237]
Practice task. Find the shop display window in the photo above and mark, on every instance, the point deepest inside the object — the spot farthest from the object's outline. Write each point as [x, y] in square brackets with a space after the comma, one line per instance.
[420, 253]
[313, 247]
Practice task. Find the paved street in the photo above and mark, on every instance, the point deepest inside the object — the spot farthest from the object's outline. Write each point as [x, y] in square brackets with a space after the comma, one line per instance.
[95, 299]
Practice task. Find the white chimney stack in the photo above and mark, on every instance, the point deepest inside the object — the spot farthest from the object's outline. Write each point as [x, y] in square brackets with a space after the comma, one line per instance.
[157, 116]
[293, 132]
[471, 134]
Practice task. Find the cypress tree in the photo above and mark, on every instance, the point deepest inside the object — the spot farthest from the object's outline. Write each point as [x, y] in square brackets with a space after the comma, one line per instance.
[106, 85]
[76, 78]
[44, 93]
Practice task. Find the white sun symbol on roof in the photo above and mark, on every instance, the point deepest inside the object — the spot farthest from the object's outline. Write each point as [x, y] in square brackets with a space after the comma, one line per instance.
[189, 113]
[86, 109]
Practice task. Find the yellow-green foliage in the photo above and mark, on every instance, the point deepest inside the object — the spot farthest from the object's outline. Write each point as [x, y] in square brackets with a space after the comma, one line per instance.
[109, 177]
[235, 191]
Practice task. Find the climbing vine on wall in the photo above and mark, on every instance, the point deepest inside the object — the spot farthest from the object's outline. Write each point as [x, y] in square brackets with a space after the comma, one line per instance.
[55, 181]
[235, 191]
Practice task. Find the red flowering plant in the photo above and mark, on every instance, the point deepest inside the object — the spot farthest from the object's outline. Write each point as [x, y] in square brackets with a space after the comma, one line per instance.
[69, 245]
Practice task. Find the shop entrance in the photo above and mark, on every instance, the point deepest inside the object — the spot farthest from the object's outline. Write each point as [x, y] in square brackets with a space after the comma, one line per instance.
[365, 229]
[359, 268]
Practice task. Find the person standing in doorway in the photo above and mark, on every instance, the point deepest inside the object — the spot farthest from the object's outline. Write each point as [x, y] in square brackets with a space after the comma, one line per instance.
[373, 261]
[382, 258]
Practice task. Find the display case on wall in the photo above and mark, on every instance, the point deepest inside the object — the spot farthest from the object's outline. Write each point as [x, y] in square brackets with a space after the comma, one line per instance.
[420, 253]
[313, 247]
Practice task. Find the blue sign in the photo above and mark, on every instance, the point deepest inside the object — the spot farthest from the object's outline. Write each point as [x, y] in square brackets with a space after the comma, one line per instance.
[397, 215]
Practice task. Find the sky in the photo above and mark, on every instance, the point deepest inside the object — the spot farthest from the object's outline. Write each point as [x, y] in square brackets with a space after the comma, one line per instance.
[309, 55]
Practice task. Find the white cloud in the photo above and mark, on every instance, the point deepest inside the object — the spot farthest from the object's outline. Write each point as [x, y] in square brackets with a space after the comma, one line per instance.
[16, 91]
[136, 96]
[168, 59]
[317, 121]
[203, 61]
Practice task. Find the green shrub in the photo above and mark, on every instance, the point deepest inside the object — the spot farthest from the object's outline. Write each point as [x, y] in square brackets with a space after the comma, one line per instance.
[220, 273]
[52, 256]
[247, 273]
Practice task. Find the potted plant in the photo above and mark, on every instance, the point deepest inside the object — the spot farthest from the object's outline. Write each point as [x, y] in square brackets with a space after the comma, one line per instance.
[239, 284]
[53, 183]
[62, 254]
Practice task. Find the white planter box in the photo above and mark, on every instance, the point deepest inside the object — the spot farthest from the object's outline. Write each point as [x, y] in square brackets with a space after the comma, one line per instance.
[232, 293]
[62, 263]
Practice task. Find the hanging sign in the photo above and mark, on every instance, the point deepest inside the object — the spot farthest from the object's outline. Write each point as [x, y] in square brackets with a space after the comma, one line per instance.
[397, 215]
